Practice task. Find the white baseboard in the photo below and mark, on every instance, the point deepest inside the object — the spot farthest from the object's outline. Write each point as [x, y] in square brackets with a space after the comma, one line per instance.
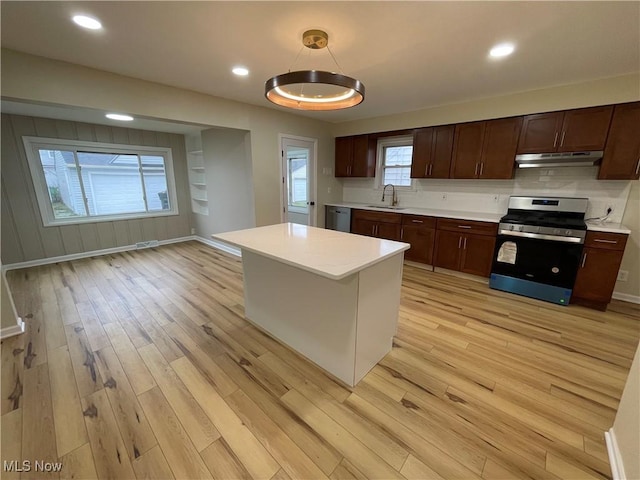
[16, 329]
[225, 247]
[625, 297]
[93, 253]
[615, 459]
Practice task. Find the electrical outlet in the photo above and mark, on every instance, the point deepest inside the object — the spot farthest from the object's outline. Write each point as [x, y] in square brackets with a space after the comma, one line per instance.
[623, 275]
[193, 231]
[328, 189]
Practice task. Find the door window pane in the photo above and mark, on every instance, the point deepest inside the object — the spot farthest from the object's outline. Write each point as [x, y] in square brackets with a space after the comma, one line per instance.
[297, 178]
[63, 185]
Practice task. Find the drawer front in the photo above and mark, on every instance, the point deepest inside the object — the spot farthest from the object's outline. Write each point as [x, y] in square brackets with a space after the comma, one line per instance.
[377, 216]
[606, 240]
[419, 221]
[467, 226]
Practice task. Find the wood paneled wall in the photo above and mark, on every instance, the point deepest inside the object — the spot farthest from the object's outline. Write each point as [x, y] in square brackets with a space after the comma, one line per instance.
[23, 235]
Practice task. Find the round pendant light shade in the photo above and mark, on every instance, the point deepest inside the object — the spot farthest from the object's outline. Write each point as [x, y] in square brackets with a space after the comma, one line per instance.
[314, 89]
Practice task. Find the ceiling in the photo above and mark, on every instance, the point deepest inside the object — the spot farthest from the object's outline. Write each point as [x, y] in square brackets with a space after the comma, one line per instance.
[409, 55]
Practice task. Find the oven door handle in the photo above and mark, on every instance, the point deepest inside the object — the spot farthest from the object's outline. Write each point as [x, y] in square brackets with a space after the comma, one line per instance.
[541, 236]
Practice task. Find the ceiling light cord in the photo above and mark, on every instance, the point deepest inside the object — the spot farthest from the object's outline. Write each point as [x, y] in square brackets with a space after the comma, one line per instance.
[335, 61]
[296, 59]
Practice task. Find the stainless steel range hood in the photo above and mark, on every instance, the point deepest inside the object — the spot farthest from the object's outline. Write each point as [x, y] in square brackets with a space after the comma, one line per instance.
[551, 160]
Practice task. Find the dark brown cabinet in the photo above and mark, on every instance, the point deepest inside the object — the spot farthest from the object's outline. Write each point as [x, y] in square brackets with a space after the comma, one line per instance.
[576, 130]
[465, 246]
[598, 270]
[432, 148]
[355, 156]
[485, 149]
[621, 160]
[376, 224]
[419, 231]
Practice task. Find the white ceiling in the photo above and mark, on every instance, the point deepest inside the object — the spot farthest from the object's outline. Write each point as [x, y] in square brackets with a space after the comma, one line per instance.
[409, 55]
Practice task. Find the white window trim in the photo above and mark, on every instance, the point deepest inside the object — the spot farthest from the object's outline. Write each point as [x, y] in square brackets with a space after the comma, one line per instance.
[402, 141]
[33, 144]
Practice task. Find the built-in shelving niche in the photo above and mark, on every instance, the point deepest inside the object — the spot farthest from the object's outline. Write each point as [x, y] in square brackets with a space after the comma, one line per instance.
[197, 183]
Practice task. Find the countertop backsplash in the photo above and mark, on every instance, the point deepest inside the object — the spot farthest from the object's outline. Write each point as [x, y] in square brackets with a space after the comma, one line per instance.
[492, 196]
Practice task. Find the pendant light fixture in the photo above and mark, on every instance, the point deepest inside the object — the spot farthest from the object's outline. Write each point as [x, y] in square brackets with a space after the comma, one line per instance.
[314, 89]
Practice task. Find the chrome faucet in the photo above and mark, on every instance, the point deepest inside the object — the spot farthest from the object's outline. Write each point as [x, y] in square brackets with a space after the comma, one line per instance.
[394, 198]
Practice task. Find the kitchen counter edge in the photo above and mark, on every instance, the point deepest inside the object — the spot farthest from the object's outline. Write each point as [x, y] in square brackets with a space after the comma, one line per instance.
[474, 216]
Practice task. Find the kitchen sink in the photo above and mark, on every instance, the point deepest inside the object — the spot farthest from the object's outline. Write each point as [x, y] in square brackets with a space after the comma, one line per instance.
[387, 207]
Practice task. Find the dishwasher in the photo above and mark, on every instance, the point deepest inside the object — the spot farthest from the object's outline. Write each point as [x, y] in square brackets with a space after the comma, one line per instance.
[338, 218]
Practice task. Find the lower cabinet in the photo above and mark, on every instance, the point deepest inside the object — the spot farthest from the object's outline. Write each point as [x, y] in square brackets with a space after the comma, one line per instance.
[418, 231]
[465, 246]
[376, 224]
[601, 259]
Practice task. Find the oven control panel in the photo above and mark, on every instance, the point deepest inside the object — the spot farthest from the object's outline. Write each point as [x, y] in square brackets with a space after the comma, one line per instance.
[542, 233]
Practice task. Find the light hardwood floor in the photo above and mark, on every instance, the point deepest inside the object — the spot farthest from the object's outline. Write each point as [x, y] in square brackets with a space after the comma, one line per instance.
[141, 364]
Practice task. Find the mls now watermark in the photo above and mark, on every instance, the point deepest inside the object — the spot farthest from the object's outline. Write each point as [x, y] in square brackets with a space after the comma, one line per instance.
[28, 466]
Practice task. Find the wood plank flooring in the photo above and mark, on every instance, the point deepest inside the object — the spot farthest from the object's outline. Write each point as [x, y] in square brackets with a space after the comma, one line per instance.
[141, 365]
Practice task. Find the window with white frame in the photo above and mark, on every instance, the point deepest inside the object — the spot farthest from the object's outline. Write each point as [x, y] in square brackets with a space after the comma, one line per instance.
[394, 161]
[79, 182]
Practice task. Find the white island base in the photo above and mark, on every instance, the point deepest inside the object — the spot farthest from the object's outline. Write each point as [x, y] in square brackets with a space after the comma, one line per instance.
[341, 316]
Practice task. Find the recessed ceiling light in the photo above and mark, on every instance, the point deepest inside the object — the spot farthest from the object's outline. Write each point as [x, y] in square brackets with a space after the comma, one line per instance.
[502, 50]
[119, 116]
[241, 71]
[87, 22]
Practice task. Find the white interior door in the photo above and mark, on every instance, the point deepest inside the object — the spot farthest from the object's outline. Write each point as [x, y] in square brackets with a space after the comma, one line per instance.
[298, 182]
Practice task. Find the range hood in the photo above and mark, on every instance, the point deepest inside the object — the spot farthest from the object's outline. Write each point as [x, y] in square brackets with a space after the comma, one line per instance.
[551, 160]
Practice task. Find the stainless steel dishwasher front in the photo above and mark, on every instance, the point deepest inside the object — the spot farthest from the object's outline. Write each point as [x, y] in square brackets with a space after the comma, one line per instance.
[338, 218]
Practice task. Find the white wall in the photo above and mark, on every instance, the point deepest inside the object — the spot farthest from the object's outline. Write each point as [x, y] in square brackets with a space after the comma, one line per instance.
[626, 426]
[227, 162]
[480, 195]
[630, 290]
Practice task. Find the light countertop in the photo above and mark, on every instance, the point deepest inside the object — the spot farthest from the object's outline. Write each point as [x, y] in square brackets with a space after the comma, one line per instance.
[458, 215]
[595, 226]
[477, 216]
[328, 253]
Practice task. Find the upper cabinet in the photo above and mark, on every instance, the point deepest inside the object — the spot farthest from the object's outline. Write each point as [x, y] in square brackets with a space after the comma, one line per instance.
[355, 156]
[582, 129]
[432, 147]
[621, 160]
[485, 149]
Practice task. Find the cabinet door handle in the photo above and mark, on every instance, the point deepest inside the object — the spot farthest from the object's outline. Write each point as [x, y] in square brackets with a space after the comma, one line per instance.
[373, 230]
[430, 168]
[401, 233]
[481, 167]
[464, 246]
[599, 240]
[638, 167]
[417, 221]
[475, 172]
[459, 242]
[555, 140]
[464, 226]
[584, 259]
[562, 139]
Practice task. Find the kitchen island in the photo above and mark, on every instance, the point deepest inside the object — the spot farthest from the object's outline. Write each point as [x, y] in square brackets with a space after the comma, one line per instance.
[331, 296]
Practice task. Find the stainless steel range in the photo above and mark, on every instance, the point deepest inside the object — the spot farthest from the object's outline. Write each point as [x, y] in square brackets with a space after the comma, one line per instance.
[539, 247]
